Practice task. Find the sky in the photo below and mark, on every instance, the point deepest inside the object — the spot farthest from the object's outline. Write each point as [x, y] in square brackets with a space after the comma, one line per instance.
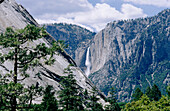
[92, 14]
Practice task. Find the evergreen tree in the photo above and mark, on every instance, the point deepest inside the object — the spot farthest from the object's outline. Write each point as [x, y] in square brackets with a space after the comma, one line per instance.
[148, 92]
[93, 101]
[70, 99]
[85, 94]
[137, 94]
[163, 103]
[49, 102]
[14, 94]
[140, 105]
[113, 102]
[155, 93]
[144, 104]
[168, 90]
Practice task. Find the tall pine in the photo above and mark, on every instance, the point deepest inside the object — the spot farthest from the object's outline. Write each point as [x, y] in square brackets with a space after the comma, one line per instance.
[49, 101]
[93, 104]
[168, 90]
[13, 94]
[113, 106]
[137, 94]
[69, 96]
[153, 93]
[148, 92]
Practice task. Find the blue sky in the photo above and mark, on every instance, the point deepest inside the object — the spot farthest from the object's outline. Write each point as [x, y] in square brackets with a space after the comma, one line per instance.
[92, 14]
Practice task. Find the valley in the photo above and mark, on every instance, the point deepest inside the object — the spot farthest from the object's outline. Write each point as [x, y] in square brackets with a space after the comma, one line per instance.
[126, 54]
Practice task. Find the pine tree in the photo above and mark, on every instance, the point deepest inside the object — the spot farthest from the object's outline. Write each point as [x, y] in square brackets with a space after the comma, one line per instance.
[14, 94]
[93, 101]
[141, 105]
[168, 90]
[137, 94]
[148, 92]
[70, 99]
[49, 102]
[155, 93]
[144, 104]
[113, 106]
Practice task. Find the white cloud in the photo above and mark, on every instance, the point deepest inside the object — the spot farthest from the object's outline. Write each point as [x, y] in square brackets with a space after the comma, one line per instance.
[159, 3]
[96, 18]
[101, 14]
[131, 11]
[80, 12]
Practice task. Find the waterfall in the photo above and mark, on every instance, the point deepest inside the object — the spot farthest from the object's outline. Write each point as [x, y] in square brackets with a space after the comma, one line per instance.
[87, 63]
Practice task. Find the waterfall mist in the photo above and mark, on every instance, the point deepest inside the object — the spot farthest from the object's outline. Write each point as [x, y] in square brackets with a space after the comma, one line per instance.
[87, 63]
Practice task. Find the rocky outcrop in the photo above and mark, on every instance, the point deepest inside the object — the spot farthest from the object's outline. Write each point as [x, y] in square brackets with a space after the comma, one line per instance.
[128, 54]
[76, 37]
[73, 35]
[14, 15]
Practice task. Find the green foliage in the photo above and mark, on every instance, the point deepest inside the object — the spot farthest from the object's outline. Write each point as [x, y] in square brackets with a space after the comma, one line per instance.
[151, 103]
[24, 95]
[168, 90]
[49, 102]
[148, 92]
[69, 95]
[122, 105]
[24, 55]
[140, 105]
[113, 106]
[156, 93]
[164, 103]
[153, 93]
[144, 104]
[15, 95]
[93, 104]
[137, 94]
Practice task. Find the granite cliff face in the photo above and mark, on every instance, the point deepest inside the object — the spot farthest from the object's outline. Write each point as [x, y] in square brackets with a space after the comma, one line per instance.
[76, 37]
[73, 35]
[128, 54]
[14, 15]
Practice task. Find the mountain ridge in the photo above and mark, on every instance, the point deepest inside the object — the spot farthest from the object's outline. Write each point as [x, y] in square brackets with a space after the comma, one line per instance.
[136, 48]
[128, 54]
[73, 35]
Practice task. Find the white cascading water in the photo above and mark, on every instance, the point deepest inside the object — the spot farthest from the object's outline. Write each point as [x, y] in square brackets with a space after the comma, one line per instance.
[87, 63]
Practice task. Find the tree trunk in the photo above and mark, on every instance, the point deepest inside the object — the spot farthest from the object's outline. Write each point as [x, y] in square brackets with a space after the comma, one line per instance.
[14, 101]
